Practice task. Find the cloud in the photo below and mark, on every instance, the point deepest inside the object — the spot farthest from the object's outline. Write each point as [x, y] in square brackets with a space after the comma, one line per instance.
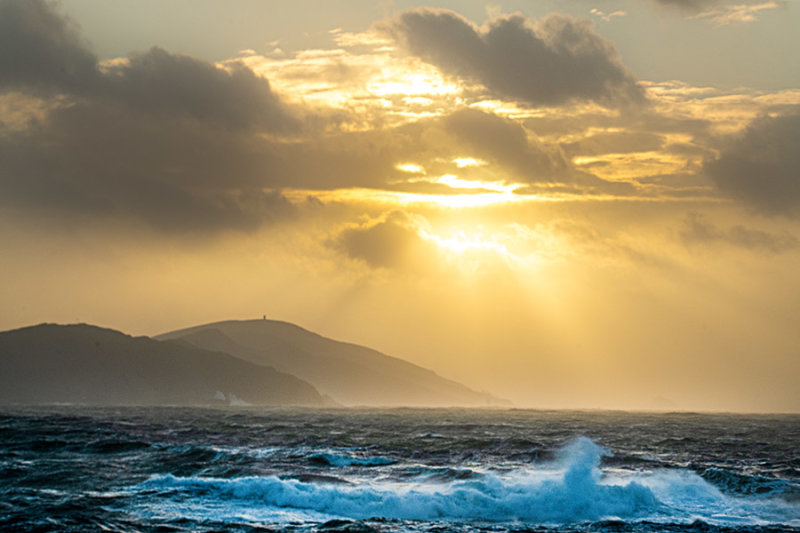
[180, 144]
[760, 166]
[721, 12]
[506, 143]
[392, 240]
[552, 61]
[41, 49]
[689, 5]
[175, 142]
[619, 142]
[161, 83]
[607, 16]
[697, 229]
[511, 152]
[736, 13]
[95, 160]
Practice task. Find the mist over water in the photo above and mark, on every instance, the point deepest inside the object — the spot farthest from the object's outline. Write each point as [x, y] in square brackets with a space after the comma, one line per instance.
[147, 469]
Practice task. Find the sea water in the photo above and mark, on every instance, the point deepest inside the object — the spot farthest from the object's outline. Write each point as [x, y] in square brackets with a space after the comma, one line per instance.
[178, 469]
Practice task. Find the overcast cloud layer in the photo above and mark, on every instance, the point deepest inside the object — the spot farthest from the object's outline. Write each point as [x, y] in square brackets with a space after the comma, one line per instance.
[163, 138]
[182, 144]
[185, 145]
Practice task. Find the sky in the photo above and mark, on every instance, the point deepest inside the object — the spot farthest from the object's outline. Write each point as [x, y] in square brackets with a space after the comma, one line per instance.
[566, 203]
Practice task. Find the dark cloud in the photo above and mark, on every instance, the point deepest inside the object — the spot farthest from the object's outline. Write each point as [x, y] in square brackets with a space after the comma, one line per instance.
[761, 167]
[390, 241]
[180, 144]
[689, 5]
[169, 140]
[550, 62]
[501, 142]
[506, 143]
[368, 159]
[697, 229]
[103, 160]
[161, 83]
[42, 50]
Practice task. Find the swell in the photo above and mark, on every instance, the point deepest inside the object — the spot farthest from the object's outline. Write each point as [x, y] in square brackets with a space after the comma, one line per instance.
[137, 469]
[736, 483]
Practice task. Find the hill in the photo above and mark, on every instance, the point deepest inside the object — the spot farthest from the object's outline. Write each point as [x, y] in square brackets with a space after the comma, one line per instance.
[90, 365]
[349, 373]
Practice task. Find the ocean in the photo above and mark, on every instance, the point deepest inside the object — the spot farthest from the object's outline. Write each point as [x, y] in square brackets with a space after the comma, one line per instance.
[395, 470]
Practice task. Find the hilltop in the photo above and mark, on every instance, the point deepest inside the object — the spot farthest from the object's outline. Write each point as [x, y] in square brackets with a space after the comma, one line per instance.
[86, 364]
[349, 373]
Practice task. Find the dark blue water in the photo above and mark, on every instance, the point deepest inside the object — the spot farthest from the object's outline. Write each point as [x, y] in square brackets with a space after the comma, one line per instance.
[171, 469]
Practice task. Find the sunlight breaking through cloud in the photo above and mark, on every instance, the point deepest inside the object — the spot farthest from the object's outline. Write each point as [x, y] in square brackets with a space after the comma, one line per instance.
[541, 198]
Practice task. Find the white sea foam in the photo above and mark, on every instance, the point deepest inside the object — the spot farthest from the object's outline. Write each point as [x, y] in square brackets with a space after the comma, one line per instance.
[570, 490]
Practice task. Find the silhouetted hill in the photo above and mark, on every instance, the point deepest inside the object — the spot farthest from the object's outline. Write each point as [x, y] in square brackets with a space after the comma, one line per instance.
[349, 373]
[90, 365]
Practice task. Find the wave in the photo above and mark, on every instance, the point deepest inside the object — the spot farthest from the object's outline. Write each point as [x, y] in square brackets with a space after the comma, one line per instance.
[339, 459]
[751, 485]
[209, 455]
[572, 489]
[111, 446]
[435, 473]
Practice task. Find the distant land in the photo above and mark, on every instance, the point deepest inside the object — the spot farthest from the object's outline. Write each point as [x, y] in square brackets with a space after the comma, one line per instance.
[250, 362]
[350, 374]
[83, 364]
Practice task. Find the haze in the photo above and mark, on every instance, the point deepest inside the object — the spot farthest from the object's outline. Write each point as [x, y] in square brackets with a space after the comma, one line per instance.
[567, 204]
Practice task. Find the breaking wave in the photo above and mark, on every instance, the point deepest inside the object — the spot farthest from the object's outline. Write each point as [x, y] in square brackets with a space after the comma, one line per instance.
[572, 489]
